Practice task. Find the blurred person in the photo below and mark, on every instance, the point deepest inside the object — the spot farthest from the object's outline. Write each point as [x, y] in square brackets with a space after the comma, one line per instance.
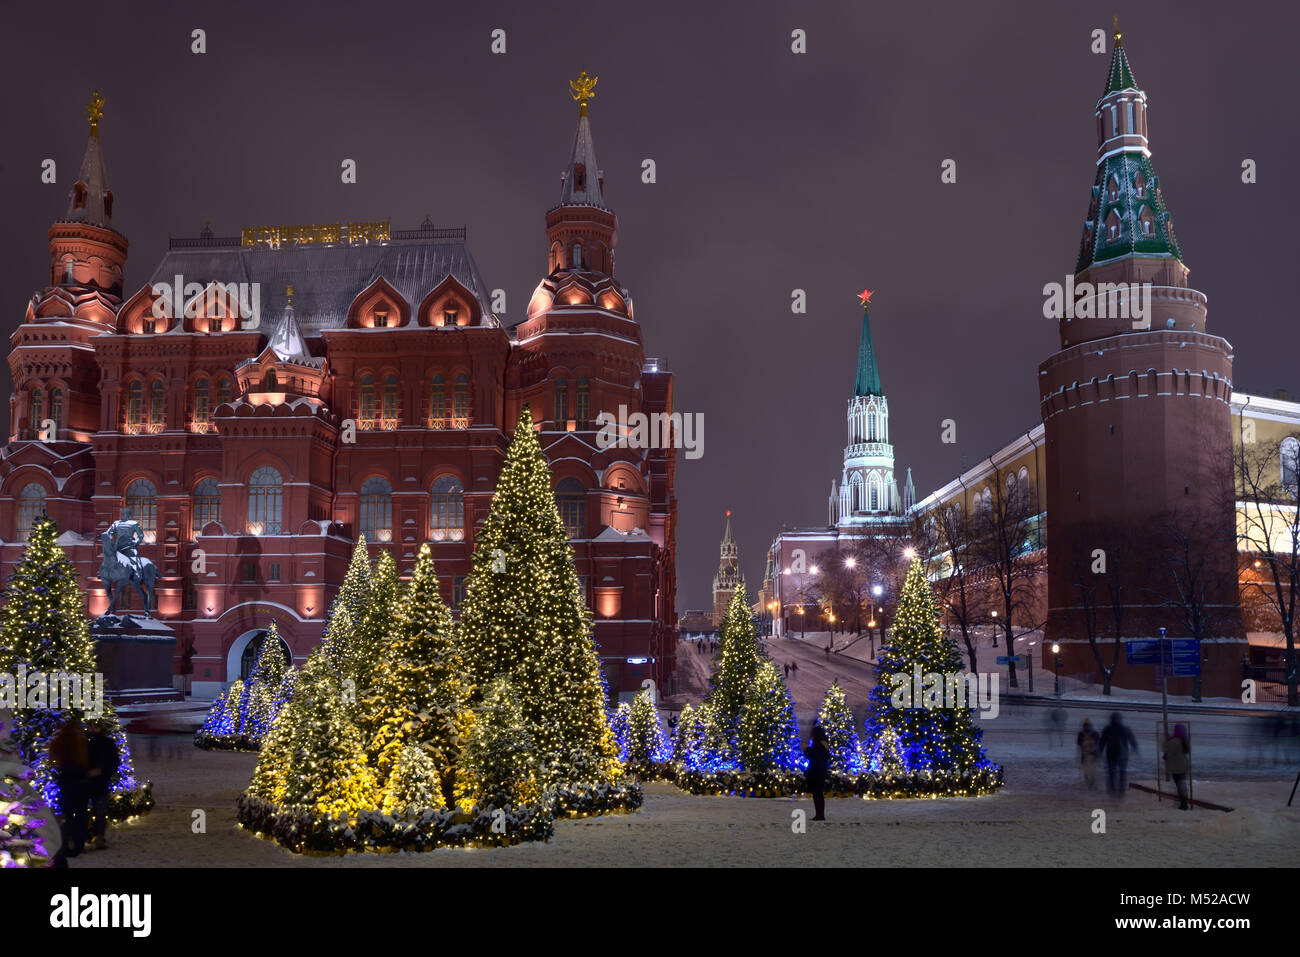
[1087, 740]
[69, 756]
[819, 762]
[1178, 750]
[1116, 744]
[104, 760]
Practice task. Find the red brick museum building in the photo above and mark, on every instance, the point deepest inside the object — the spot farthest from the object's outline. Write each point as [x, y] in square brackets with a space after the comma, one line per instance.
[319, 383]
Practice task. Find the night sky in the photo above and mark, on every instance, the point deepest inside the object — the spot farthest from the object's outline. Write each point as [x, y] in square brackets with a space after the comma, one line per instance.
[775, 171]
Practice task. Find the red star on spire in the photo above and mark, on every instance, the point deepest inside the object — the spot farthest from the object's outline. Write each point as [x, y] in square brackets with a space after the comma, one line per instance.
[864, 297]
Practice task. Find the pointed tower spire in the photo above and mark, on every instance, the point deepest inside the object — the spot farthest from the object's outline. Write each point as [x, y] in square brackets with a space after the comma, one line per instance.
[582, 229]
[868, 378]
[91, 201]
[287, 341]
[1121, 74]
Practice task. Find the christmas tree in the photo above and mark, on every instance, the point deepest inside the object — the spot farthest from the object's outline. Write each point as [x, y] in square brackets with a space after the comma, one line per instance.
[526, 618]
[44, 629]
[499, 766]
[931, 734]
[739, 659]
[768, 738]
[241, 716]
[414, 786]
[841, 736]
[326, 770]
[376, 623]
[684, 734]
[620, 720]
[646, 742]
[348, 608]
[419, 693]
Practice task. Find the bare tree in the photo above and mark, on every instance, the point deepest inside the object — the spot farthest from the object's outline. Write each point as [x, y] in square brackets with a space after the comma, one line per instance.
[1101, 584]
[948, 538]
[1010, 553]
[1268, 475]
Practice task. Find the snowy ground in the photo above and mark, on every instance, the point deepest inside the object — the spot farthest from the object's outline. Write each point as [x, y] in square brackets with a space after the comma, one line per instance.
[1042, 818]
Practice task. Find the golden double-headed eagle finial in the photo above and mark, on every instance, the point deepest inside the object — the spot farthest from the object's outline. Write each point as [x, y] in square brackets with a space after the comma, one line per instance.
[582, 89]
[1115, 20]
[95, 110]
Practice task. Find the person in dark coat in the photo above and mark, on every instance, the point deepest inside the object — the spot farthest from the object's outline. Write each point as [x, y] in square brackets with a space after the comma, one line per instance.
[1087, 741]
[69, 756]
[104, 761]
[1115, 744]
[819, 763]
[1178, 750]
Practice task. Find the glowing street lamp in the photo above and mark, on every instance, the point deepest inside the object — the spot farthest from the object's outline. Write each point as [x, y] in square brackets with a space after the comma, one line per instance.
[1056, 652]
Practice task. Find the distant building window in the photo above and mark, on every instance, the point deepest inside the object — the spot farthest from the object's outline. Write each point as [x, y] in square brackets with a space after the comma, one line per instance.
[134, 406]
[579, 178]
[1290, 463]
[447, 510]
[561, 401]
[202, 406]
[142, 500]
[224, 388]
[460, 402]
[366, 402]
[381, 320]
[207, 504]
[450, 312]
[583, 411]
[214, 324]
[56, 407]
[250, 571]
[438, 403]
[150, 326]
[36, 413]
[265, 493]
[377, 509]
[273, 573]
[31, 506]
[390, 411]
[571, 498]
[458, 592]
[157, 406]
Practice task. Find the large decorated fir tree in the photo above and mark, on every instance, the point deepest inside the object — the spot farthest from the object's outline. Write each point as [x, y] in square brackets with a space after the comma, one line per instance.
[241, 716]
[740, 656]
[647, 744]
[347, 610]
[842, 740]
[526, 618]
[418, 696]
[768, 732]
[928, 735]
[499, 766]
[44, 629]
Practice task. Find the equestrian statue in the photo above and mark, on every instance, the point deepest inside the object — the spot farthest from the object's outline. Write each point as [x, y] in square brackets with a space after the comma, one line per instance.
[123, 565]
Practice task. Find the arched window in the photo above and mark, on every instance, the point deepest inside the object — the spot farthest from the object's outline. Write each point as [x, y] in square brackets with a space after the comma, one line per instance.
[377, 509]
[856, 486]
[224, 388]
[460, 401]
[450, 312]
[577, 256]
[366, 402]
[874, 503]
[571, 498]
[36, 413]
[583, 412]
[390, 413]
[271, 382]
[561, 401]
[579, 178]
[157, 398]
[68, 275]
[873, 434]
[265, 491]
[134, 406]
[1022, 484]
[202, 406]
[31, 506]
[447, 510]
[56, 408]
[207, 504]
[1290, 463]
[142, 500]
[438, 402]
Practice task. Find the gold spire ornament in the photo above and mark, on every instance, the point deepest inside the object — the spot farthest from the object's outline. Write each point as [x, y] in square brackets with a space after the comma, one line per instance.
[1115, 20]
[288, 291]
[581, 90]
[95, 110]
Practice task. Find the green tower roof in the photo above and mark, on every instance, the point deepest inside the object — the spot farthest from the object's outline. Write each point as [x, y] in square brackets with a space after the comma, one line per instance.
[868, 380]
[1121, 74]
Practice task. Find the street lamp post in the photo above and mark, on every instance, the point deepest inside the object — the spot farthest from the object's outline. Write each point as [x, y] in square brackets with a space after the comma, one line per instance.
[1056, 654]
[995, 627]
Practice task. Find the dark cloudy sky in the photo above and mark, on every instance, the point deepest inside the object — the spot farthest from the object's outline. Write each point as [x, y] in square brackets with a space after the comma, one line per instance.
[775, 171]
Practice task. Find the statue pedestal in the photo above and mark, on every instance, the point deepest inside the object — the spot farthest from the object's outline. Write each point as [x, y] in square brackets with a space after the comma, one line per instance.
[135, 654]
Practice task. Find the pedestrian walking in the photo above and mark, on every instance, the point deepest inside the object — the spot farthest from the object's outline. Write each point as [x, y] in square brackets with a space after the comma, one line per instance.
[69, 756]
[1115, 745]
[819, 762]
[1087, 742]
[794, 668]
[1178, 751]
[103, 763]
[787, 669]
